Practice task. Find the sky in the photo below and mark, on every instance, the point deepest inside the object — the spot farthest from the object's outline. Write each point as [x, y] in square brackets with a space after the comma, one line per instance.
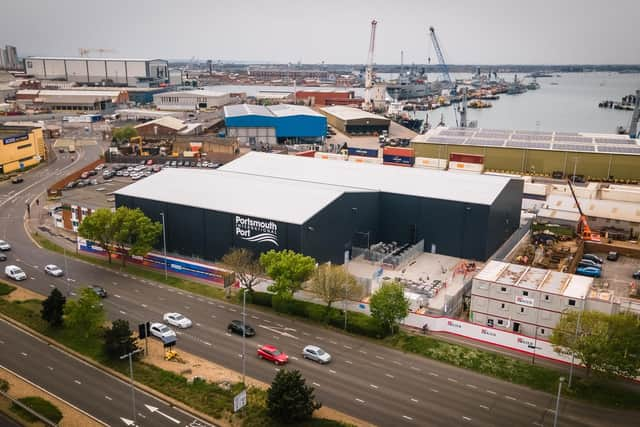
[333, 31]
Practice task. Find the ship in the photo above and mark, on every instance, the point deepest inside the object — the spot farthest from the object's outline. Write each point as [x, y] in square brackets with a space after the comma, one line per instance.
[408, 86]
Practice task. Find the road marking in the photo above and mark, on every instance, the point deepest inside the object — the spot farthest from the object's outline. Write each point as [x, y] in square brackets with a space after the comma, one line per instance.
[255, 317]
[210, 302]
[414, 400]
[363, 352]
[551, 410]
[198, 324]
[466, 418]
[122, 312]
[117, 296]
[277, 369]
[24, 354]
[333, 342]
[348, 362]
[153, 409]
[397, 363]
[294, 358]
[280, 325]
[187, 307]
[434, 390]
[233, 309]
[50, 368]
[379, 357]
[332, 371]
[348, 347]
[200, 299]
[213, 316]
[52, 286]
[207, 343]
[180, 293]
[407, 418]
[144, 305]
[1, 342]
[535, 423]
[533, 405]
[220, 306]
[452, 380]
[472, 386]
[227, 334]
[141, 415]
[389, 376]
[415, 369]
[320, 338]
[316, 384]
[359, 400]
[433, 374]
[484, 407]
[373, 386]
[510, 398]
[269, 321]
[491, 392]
[77, 382]
[240, 355]
[189, 296]
[107, 397]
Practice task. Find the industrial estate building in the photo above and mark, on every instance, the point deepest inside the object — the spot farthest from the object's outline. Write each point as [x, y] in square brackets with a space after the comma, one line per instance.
[9, 58]
[354, 121]
[118, 71]
[592, 156]
[283, 123]
[22, 146]
[191, 100]
[167, 127]
[71, 100]
[322, 209]
[328, 97]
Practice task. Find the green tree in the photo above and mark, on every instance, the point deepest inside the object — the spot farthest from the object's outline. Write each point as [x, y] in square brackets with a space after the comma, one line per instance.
[124, 134]
[53, 308]
[134, 232]
[246, 266]
[85, 314]
[119, 340]
[99, 227]
[289, 399]
[334, 283]
[288, 270]
[389, 305]
[624, 345]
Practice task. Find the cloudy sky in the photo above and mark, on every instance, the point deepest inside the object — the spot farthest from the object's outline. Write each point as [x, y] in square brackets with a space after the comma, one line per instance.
[334, 31]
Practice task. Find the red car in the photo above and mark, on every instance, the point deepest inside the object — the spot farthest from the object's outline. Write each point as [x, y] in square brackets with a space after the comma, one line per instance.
[272, 354]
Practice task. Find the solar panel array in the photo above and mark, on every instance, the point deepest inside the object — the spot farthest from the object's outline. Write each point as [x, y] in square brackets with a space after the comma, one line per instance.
[573, 147]
[527, 144]
[487, 142]
[457, 132]
[614, 149]
[575, 139]
[525, 137]
[613, 141]
[447, 140]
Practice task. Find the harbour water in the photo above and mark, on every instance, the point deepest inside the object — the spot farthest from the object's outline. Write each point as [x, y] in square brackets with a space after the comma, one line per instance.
[571, 105]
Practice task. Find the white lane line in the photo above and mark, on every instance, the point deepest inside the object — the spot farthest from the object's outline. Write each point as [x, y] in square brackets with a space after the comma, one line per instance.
[535, 423]
[117, 296]
[348, 362]
[348, 347]
[315, 384]
[484, 407]
[255, 317]
[180, 293]
[220, 306]
[414, 400]
[233, 309]
[144, 306]
[280, 325]
[122, 312]
[306, 334]
[407, 418]
[397, 363]
[198, 324]
[210, 302]
[269, 321]
[359, 400]
[207, 343]
[50, 368]
[452, 380]
[333, 342]
[200, 299]
[332, 371]
[472, 386]
[294, 358]
[189, 296]
[415, 369]
[433, 374]
[373, 386]
[24, 354]
[466, 418]
[533, 405]
[77, 382]
[510, 398]
[389, 375]
[107, 397]
[52, 286]
[434, 390]
[362, 351]
[491, 392]
[141, 415]
[319, 338]
[379, 357]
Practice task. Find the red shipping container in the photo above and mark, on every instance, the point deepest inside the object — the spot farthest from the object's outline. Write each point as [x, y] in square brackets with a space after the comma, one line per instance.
[466, 158]
[308, 153]
[399, 151]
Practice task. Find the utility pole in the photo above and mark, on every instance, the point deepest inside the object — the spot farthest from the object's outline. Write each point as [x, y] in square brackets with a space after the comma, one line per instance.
[555, 415]
[133, 389]
[244, 330]
[164, 245]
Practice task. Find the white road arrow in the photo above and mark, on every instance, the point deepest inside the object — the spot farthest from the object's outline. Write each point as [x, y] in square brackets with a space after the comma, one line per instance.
[127, 421]
[153, 409]
[276, 331]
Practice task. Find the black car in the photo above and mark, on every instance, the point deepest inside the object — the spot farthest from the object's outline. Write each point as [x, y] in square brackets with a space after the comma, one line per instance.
[612, 256]
[237, 327]
[635, 275]
[3, 257]
[100, 291]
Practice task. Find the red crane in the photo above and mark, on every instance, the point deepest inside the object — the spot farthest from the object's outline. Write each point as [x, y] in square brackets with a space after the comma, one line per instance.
[583, 227]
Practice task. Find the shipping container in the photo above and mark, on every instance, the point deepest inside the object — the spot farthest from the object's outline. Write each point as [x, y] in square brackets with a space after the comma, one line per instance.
[466, 167]
[330, 156]
[398, 160]
[399, 151]
[308, 153]
[466, 158]
[431, 163]
[363, 152]
[361, 159]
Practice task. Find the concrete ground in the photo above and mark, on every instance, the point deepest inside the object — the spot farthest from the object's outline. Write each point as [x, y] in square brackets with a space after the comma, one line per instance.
[370, 141]
[616, 275]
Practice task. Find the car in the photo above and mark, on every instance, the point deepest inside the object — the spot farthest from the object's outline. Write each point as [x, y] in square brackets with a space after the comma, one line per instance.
[60, 150]
[161, 330]
[149, 162]
[99, 290]
[589, 263]
[180, 163]
[173, 163]
[237, 327]
[130, 168]
[92, 173]
[593, 258]
[316, 354]
[636, 275]
[3, 257]
[17, 179]
[14, 272]
[177, 319]
[199, 164]
[272, 354]
[99, 167]
[126, 173]
[119, 173]
[613, 256]
[4, 245]
[53, 270]
[589, 271]
[84, 175]
[205, 164]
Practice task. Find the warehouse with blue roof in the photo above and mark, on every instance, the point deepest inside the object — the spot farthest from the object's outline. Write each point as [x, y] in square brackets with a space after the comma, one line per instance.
[258, 125]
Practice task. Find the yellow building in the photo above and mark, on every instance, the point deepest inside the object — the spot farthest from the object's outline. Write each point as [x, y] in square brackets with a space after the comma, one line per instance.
[21, 147]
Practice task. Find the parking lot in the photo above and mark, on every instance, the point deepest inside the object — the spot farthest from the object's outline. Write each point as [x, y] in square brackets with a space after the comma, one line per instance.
[617, 275]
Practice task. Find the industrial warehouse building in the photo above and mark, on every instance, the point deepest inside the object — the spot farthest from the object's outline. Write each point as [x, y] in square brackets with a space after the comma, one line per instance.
[118, 71]
[559, 154]
[191, 100]
[21, 147]
[322, 209]
[72, 100]
[354, 121]
[282, 123]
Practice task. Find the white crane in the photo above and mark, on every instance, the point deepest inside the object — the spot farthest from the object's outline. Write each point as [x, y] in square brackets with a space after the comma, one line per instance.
[368, 79]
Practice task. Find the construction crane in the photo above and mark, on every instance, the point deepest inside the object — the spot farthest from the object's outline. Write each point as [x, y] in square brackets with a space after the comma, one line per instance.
[583, 227]
[84, 51]
[444, 69]
[368, 77]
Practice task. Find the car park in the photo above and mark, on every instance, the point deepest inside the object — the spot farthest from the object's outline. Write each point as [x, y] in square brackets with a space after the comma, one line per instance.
[593, 258]
[4, 245]
[3, 257]
[589, 263]
[316, 354]
[100, 291]
[237, 327]
[177, 320]
[589, 271]
[14, 272]
[161, 330]
[272, 354]
[613, 256]
[17, 179]
[53, 270]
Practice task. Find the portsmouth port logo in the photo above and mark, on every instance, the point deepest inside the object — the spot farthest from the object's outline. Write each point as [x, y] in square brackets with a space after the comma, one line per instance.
[257, 231]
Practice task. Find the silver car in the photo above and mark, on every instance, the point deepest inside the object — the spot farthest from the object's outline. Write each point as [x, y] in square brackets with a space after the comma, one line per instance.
[53, 270]
[316, 354]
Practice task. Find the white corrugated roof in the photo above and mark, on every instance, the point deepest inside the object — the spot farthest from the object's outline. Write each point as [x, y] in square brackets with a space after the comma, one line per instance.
[260, 197]
[350, 113]
[75, 58]
[470, 188]
[285, 110]
[610, 209]
[166, 121]
[196, 92]
[238, 110]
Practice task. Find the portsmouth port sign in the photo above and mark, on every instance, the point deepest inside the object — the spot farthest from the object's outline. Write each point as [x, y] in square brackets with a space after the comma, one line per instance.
[256, 230]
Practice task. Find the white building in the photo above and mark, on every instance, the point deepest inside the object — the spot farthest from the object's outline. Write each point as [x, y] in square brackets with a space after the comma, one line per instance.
[191, 100]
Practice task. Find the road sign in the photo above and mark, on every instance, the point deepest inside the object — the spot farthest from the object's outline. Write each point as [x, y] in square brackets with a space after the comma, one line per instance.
[240, 401]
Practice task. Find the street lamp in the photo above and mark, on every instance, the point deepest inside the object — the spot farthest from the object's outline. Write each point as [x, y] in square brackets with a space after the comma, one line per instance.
[573, 353]
[244, 329]
[555, 416]
[133, 389]
[164, 245]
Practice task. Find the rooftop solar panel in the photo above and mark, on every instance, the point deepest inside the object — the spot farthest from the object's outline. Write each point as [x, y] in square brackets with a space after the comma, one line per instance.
[524, 137]
[613, 141]
[527, 144]
[533, 132]
[502, 131]
[566, 134]
[447, 140]
[489, 142]
[573, 147]
[451, 132]
[614, 149]
[491, 135]
[573, 139]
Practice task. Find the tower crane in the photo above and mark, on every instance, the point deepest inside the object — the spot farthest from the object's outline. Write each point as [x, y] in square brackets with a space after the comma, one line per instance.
[583, 227]
[368, 78]
[444, 69]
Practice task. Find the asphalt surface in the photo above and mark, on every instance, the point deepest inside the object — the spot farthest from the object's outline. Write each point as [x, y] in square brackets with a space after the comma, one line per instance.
[377, 384]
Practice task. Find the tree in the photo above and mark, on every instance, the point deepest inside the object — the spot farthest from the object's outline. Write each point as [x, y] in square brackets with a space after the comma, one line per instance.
[124, 134]
[246, 266]
[53, 308]
[98, 227]
[624, 345]
[289, 399]
[389, 305]
[288, 270]
[334, 283]
[119, 340]
[134, 232]
[85, 314]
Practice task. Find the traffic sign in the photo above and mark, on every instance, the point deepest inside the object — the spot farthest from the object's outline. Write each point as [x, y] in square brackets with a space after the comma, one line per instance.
[240, 401]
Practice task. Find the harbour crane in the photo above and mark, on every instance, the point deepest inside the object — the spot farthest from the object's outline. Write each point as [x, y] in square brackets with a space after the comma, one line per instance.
[444, 69]
[583, 227]
[368, 78]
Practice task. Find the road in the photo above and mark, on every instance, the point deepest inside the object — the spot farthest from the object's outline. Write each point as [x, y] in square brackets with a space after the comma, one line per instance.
[375, 383]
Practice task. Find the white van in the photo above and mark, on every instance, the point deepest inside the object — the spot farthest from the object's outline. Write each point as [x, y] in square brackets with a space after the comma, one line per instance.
[14, 272]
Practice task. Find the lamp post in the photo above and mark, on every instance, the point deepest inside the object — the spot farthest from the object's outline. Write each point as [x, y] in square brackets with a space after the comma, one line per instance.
[244, 329]
[573, 353]
[555, 415]
[133, 389]
[164, 245]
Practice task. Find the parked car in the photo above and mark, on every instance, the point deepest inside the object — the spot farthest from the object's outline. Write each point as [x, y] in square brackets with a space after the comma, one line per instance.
[589, 271]
[17, 179]
[636, 275]
[173, 163]
[92, 173]
[100, 291]
[3, 257]
[236, 327]
[177, 319]
[272, 354]
[180, 163]
[14, 272]
[84, 175]
[4, 245]
[613, 256]
[99, 167]
[316, 354]
[53, 270]
[161, 331]
[589, 263]
[149, 162]
[593, 258]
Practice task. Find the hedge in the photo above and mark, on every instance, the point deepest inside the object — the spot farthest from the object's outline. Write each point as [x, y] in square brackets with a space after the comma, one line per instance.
[4, 385]
[39, 405]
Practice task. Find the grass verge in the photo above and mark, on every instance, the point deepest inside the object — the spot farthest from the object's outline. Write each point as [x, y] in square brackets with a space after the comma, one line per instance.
[39, 405]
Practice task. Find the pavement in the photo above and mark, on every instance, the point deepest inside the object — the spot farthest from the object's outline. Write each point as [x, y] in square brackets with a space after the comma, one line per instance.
[366, 380]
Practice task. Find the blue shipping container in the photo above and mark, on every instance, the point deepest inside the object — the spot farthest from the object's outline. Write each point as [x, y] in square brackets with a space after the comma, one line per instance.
[401, 160]
[364, 152]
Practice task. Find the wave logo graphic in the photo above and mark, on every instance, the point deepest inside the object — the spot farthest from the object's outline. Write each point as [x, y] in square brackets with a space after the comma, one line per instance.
[263, 238]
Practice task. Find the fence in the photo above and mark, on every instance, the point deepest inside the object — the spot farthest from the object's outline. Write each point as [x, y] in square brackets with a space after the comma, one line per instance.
[16, 402]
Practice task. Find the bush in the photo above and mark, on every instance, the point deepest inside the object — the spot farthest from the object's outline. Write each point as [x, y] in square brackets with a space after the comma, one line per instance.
[4, 385]
[39, 405]
[258, 298]
[6, 289]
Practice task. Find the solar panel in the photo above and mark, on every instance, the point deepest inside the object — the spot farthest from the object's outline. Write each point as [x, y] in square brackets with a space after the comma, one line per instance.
[573, 147]
[573, 139]
[567, 134]
[502, 131]
[527, 144]
[491, 135]
[613, 141]
[614, 149]
[489, 142]
[524, 137]
[447, 140]
[533, 132]
[451, 132]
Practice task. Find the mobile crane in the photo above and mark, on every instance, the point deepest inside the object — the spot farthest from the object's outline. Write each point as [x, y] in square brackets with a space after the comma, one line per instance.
[583, 227]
